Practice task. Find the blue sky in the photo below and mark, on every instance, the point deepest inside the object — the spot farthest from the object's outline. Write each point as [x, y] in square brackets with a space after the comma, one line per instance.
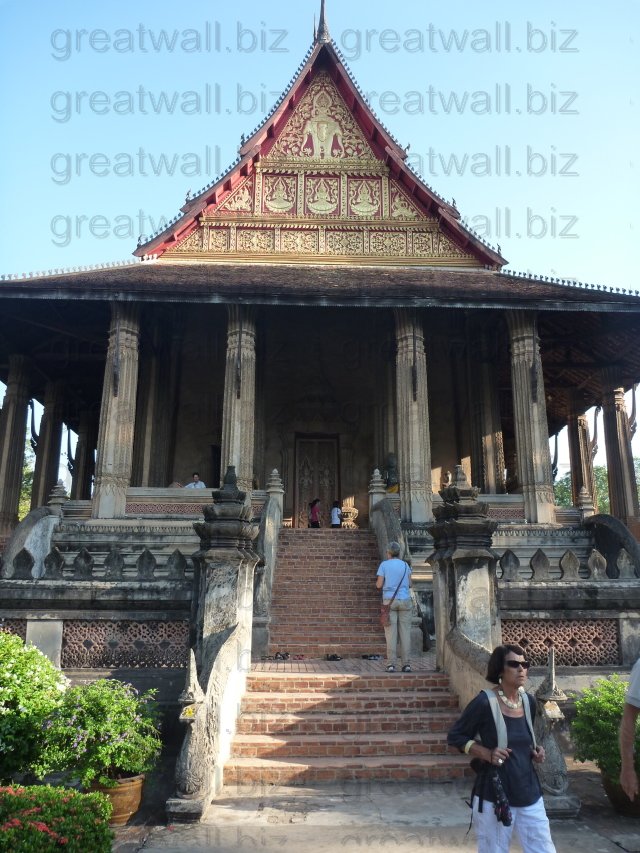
[525, 115]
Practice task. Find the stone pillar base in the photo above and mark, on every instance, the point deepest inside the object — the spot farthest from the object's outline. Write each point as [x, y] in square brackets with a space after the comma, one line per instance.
[184, 811]
[561, 805]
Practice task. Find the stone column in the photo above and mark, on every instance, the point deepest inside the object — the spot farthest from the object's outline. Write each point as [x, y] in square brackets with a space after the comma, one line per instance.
[623, 492]
[464, 583]
[239, 408]
[13, 431]
[117, 414]
[414, 449]
[84, 464]
[45, 475]
[530, 419]
[487, 449]
[580, 453]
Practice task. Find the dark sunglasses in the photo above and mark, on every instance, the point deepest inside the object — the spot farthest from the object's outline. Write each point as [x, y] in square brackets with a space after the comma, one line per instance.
[514, 664]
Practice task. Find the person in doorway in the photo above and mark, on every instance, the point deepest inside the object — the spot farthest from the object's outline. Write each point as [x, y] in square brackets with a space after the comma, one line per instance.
[336, 515]
[507, 793]
[628, 775]
[394, 579]
[196, 482]
[314, 513]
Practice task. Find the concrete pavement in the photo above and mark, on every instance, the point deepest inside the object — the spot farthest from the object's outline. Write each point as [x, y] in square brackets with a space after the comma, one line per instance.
[357, 816]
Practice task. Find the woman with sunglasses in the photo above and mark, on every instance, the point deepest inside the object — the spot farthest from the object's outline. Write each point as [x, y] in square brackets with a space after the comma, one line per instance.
[475, 734]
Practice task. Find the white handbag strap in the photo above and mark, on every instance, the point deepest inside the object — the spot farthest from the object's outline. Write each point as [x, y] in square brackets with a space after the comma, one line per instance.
[500, 724]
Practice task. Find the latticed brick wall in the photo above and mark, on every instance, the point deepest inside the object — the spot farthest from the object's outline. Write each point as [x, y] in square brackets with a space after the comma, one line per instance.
[14, 626]
[124, 644]
[584, 642]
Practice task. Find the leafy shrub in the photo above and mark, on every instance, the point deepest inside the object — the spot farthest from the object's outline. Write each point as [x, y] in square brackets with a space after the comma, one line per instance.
[30, 688]
[40, 818]
[101, 732]
[595, 728]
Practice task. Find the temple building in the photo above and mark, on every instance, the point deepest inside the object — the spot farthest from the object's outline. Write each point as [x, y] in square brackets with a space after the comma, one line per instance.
[321, 312]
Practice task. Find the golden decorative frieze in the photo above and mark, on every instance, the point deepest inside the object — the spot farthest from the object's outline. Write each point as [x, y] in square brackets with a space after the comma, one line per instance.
[252, 240]
[401, 206]
[388, 243]
[364, 197]
[303, 242]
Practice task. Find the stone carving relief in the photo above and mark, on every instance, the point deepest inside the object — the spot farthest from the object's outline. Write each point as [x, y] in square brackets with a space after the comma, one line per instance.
[218, 239]
[105, 643]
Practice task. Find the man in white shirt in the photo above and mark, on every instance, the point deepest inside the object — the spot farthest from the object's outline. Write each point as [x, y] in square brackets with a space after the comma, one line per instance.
[628, 775]
[196, 483]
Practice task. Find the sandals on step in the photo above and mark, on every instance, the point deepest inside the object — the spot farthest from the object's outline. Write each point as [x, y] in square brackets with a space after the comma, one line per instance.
[406, 668]
[391, 668]
[334, 657]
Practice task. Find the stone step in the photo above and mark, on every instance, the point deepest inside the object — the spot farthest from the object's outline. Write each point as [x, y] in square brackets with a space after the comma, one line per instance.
[346, 681]
[391, 701]
[433, 768]
[298, 747]
[319, 723]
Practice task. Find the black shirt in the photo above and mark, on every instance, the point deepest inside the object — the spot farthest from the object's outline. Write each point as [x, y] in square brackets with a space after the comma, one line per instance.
[518, 776]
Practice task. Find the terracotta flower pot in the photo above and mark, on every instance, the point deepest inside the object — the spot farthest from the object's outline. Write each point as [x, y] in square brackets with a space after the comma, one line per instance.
[619, 800]
[125, 798]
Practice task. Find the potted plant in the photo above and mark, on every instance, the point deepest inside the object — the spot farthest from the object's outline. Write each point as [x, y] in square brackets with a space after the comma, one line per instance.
[104, 735]
[594, 732]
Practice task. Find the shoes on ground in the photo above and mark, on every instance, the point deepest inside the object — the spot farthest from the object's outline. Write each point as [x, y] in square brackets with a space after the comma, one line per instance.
[334, 657]
[406, 668]
[282, 656]
[391, 668]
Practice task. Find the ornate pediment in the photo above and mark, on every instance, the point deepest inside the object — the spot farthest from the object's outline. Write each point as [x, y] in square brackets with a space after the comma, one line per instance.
[321, 129]
[319, 191]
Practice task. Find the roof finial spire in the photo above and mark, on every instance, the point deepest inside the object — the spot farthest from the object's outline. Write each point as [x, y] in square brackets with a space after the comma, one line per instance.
[322, 35]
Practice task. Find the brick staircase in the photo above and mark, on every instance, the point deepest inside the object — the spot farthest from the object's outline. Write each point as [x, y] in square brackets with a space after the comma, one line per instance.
[313, 721]
[306, 728]
[324, 599]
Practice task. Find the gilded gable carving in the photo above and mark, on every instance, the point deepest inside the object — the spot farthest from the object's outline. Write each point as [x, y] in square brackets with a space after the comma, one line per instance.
[321, 128]
[388, 243]
[322, 195]
[400, 207]
[364, 197]
[280, 193]
[255, 240]
[218, 239]
[304, 242]
[345, 243]
[192, 243]
[240, 200]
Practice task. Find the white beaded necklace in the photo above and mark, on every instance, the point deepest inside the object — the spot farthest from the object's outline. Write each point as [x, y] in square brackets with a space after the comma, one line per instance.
[513, 705]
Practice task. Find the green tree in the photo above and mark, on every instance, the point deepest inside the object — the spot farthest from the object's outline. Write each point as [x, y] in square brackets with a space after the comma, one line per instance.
[562, 487]
[27, 479]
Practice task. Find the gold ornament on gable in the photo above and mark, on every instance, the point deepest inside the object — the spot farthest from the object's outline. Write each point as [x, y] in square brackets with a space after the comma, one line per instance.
[321, 128]
[364, 197]
[240, 200]
[322, 195]
[280, 193]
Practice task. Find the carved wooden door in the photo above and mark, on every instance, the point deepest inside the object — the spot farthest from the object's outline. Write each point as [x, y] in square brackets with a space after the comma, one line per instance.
[317, 476]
